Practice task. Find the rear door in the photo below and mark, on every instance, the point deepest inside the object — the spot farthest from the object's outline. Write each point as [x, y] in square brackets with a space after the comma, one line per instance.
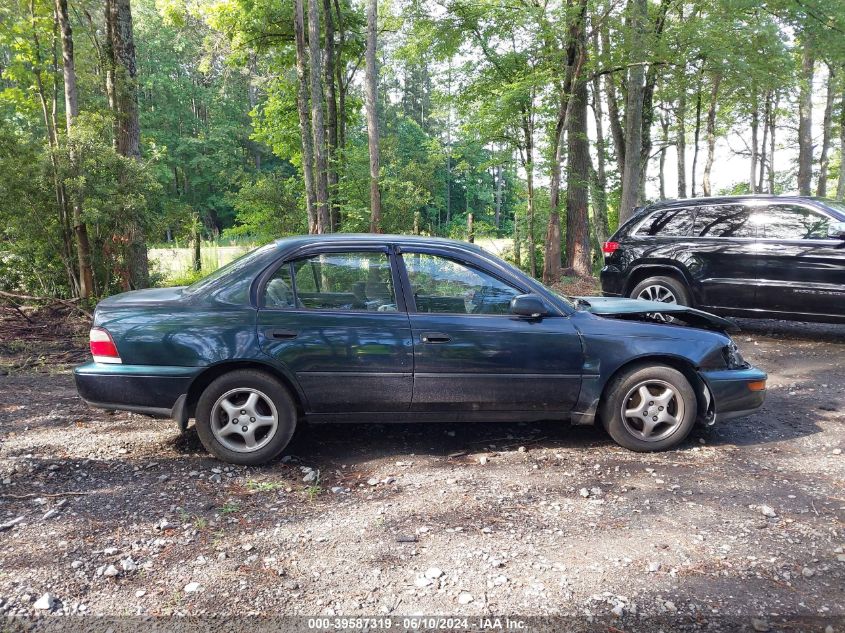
[802, 270]
[723, 256]
[333, 319]
[471, 354]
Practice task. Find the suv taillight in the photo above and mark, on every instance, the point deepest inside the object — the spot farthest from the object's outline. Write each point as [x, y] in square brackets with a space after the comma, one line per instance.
[608, 248]
[103, 348]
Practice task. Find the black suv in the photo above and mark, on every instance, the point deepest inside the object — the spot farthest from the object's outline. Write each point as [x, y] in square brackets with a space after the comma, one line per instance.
[751, 256]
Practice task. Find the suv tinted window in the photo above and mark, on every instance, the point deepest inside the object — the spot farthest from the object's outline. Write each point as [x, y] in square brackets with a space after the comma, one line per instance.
[667, 223]
[789, 222]
[724, 221]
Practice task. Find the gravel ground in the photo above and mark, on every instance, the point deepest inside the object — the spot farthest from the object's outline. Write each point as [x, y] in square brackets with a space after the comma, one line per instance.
[118, 514]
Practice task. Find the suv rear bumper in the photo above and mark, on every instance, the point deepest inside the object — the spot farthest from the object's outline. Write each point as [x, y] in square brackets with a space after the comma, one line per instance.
[612, 281]
[159, 391]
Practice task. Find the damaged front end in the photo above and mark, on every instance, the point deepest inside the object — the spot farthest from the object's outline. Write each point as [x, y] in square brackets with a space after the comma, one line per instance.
[655, 312]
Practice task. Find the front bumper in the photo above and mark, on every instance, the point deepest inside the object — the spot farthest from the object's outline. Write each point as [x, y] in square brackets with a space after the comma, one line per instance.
[732, 397]
[154, 390]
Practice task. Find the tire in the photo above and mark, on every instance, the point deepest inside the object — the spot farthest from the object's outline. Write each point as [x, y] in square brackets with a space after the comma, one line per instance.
[267, 417]
[661, 428]
[666, 289]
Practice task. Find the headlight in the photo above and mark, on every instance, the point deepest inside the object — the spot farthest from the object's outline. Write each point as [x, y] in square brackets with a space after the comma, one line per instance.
[733, 358]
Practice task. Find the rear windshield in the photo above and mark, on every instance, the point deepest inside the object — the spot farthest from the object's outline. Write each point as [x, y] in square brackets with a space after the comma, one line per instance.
[241, 263]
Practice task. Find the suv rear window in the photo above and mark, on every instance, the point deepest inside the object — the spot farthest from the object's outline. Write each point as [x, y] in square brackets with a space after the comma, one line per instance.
[795, 223]
[667, 223]
[724, 221]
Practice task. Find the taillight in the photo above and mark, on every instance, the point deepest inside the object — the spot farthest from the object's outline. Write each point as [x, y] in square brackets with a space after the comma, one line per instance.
[103, 348]
[608, 248]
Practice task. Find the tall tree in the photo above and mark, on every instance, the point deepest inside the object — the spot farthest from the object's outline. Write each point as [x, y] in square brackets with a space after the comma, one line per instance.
[80, 229]
[330, 81]
[637, 11]
[805, 118]
[371, 102]
[827, 125]
[711, 134]
[318, 127]
[128, 127]
[302, 107]
[577, 186]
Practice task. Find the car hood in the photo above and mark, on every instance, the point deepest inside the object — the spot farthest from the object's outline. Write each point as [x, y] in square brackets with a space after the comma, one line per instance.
[148, 296]
[616, 307]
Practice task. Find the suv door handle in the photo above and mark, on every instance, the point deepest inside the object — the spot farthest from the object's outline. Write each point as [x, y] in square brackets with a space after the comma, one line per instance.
[282, 335]
[435, 337]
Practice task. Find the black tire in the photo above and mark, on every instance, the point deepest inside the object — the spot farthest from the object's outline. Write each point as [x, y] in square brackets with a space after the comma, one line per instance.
[241, 383]
[663, 434]
[667, 284]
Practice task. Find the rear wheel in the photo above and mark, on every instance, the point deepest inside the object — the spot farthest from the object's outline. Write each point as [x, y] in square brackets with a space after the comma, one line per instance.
[649, 408]
[661, 289]
[245, 417]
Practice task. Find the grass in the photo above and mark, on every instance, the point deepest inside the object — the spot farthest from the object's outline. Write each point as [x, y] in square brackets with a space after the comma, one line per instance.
[230, 507]
[263, 486]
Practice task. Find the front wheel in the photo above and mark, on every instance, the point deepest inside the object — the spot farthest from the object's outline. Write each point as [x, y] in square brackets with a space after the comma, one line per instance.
[649, 408]
[245, 417]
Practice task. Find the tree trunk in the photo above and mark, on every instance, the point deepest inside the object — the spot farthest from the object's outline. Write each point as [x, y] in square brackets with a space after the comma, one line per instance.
[128, 128]
[711, 135]
[497, 218]
[648, 97]
[318, 129]
[302, 105]
[805, 121]
[638, 13]
[528, 164]
[616, 131]
[331, 114]
[840, 186]
[600, 222]
[575, 55]
[772, 121]
[697, 132]
[371, 101]
[83, 246]
[661, 175]
[824, 160]
[755, 124]
[681, 143]
[578, 184]
[761, 170]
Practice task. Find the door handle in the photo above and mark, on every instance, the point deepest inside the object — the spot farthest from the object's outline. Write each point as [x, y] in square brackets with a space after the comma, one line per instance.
[282, 335]
[435, 337]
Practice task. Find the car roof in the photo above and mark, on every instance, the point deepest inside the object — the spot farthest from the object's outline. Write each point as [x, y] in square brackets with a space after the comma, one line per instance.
[374, 238]
[815, 201]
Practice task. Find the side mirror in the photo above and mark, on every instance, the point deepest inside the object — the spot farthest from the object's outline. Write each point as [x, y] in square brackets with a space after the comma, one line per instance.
[531, 306]
[836, 230]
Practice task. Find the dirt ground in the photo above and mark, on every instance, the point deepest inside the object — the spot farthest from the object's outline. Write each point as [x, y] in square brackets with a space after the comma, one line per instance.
[744, 525]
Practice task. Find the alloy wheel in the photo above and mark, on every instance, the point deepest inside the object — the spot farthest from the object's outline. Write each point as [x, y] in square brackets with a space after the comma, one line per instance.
[652, 410]
[244, 420]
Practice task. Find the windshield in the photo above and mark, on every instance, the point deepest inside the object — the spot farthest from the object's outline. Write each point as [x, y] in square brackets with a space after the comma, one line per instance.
[242, 262]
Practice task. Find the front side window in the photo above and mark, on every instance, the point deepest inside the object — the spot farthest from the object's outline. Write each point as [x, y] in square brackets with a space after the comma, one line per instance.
[789, 222]
[667, 223]
[447, 286]
[360, 282]
[725, 221]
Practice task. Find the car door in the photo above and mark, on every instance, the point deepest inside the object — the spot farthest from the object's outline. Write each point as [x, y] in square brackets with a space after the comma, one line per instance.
[802, 269]
[334, 320]
[471, 354]
[722, 258]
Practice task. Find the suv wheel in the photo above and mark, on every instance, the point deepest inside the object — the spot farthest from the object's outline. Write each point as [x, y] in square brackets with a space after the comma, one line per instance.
[245, 417]
[649, 408]
[661, 289]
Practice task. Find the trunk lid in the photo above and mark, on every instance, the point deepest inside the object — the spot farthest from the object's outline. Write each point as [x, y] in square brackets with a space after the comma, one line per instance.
[147, 297]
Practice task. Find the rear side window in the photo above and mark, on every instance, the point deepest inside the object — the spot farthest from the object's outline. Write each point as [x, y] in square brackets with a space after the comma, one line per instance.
[359, 282]
[790, 222]
[667, 223]
[724, 221]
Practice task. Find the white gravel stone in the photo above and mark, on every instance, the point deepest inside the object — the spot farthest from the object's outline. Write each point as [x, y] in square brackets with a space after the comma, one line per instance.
[768, 511]
[807, 572]
[465, 598]
[192, 587]
[433, 573]
[45, 602]
[111, 571]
